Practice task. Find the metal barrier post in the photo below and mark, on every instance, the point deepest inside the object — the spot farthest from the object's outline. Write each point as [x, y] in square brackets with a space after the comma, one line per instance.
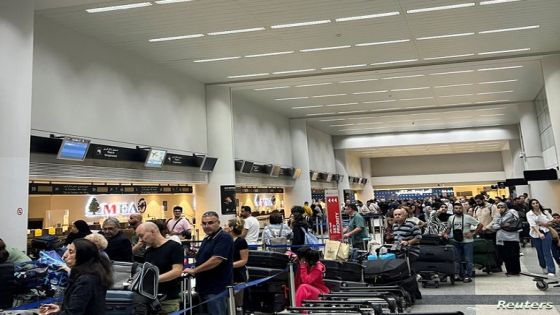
[189, 292]
[231, 300]
[381, 228]
[292, 284]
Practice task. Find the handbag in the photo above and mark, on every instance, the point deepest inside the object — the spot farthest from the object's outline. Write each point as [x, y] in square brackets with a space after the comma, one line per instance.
[331, 250]
[343, 252]
[310, 239]
[458, 233]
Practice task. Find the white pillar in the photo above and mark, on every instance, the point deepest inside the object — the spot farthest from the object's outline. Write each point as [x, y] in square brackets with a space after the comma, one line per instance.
[367, 192]
[541, 190]
[16, 62]
[514, 164]
[551, 73]
[301, 191]
[340, 161]
[219, 119]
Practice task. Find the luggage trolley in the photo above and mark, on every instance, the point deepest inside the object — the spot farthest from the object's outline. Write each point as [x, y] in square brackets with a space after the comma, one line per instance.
[543, 282]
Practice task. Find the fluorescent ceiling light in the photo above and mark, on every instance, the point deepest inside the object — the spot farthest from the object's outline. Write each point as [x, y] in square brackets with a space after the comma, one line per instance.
[370, 123]
[452, 85]
[342, 125]
[451, 72]
[360, 80]
[344, 67]
[510, 29]
[380, 101]
[416, 99]
[245, 30]
[403, 77]
[119, 7]
[163, 39]
[503, 51]
[304, 107]
[496, 1]
[328, 95]
[494, 101]
[319, 114]
[492, 115]
[170, 1]
[447, 57]
[324, 48]
[457, 95]
[445, 36]
[291, 98]
[293, 71]
[496, 92]
[313, 84]
[415, 107]
[456, 104]
[333, 119]
[272, 88]
[489, 109]
[217, 59]
[370, 92]
[411, 89]
[500, 68]
[383, 43]
[270, 54]
[393, 61]
[248, 75]
[445, 7]
[495, 82]
[341, 104]
[369, 16]
[353, 111]
[300, 24]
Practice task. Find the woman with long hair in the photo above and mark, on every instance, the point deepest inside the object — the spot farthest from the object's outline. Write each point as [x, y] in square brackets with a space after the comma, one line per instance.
[240, 255]
[90, 277]
[540, 222]
[507, 238]
[299, 225]
[79, 229]
[309, 278]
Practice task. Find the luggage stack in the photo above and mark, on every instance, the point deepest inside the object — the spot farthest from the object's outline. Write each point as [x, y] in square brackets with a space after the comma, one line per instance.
[344, 271]
[270, 296]
[394, 272]
[436, 262]
[484, 254]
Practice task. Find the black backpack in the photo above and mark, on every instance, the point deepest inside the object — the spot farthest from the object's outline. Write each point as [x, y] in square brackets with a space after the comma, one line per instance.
[515, 224]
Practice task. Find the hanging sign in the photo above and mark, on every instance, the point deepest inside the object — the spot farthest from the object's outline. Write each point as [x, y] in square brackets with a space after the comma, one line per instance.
[333, 215]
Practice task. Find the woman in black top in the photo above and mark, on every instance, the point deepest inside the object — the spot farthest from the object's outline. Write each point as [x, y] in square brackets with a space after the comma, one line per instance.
[90, 277]
[240, 255]
[78, 230]
[299, 226]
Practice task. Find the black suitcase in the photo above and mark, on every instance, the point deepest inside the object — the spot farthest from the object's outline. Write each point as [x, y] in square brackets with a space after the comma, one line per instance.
[483, 246]
[265, 259]
[259, 273]
[445, 267]
[8, 281]
[266, 302]
[119, 302]
[437, 253]
[410, 285]
[332, 269]
[350, 271]
[432, 239]
[385, 271]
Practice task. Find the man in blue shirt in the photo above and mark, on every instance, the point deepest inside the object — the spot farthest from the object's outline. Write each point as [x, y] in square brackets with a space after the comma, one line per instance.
[214, 264]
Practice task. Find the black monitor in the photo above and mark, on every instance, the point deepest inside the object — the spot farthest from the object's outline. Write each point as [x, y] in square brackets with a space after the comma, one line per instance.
[208, 164]
[515, 182]
[34, 223]
[73, 149]
[536, 175]
[155, 158]
[246, 167]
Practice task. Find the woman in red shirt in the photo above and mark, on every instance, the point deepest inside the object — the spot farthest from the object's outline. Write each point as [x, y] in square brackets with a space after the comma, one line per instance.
[309, 279]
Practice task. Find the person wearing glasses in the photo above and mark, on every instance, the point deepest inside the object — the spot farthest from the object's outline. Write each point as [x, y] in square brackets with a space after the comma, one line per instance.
[119, 247]
[214, 264]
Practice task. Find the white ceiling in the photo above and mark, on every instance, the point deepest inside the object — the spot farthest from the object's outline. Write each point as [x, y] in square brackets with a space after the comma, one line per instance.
[433, 149]
[490, 72]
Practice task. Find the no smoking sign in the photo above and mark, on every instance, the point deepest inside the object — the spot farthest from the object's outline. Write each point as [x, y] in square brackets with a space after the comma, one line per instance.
[19, 211]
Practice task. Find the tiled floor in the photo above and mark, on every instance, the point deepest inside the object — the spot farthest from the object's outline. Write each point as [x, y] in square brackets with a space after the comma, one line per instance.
[482, 295]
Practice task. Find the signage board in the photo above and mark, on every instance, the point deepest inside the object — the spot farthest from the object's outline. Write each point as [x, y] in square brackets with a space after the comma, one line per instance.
[334, 220]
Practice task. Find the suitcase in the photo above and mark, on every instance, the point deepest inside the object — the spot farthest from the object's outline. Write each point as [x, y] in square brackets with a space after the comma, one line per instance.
[432, 239]
[439, 253]
[266, 302]
[122, 272]
[350, 271]
[483, 246]
[410, 285]
[267, 259]
[274, 285]
[445, 267]
[385, 271]
[8, 281]
[119, 302]
[485, 260]
[332, 269]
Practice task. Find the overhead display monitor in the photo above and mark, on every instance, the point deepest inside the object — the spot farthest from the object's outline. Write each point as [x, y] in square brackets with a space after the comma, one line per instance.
[296, 173]
[329, 177]
[535, 175]
[314, 175]
[275, 171]
[73, 149]
[208, 164]
[246, 167]
[155, 158]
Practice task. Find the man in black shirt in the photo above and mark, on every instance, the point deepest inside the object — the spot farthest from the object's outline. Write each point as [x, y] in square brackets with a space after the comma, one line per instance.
[168, 256]
[119, 247]
[214, 264]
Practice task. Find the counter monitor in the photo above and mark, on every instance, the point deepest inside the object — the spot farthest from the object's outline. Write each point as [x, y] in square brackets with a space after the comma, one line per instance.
[73, 149]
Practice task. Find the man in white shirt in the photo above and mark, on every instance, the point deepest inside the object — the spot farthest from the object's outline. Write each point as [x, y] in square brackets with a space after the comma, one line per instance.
[179, 225]
[251, 229]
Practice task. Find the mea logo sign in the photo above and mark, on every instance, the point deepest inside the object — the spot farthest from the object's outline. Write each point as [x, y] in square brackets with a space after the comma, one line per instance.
[503, 305]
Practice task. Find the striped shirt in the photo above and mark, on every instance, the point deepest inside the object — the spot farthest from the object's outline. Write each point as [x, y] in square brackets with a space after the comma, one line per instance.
[406, 232]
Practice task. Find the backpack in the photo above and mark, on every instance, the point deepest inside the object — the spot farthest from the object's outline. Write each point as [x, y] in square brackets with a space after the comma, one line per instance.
[514, 226]
[278, 240]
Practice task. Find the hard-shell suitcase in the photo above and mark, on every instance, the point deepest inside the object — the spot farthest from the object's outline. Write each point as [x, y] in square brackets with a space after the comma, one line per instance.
[437, 253]
[385, 271]
[274, 285]
[350, 271]
[443, 267]
[267, 259]
[119, 302]
[432, 239]
[332, 269]
[8, 281]
[483, 246]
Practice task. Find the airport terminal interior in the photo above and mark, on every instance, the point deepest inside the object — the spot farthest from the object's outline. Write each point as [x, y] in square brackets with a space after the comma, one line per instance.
[110, 108]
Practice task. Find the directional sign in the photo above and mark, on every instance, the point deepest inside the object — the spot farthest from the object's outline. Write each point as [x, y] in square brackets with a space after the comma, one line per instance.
[333, 215]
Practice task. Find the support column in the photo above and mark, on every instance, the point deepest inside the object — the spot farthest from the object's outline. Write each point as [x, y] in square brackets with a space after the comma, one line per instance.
[514, 164]
[551, 73]
[16, 62]
[541, 190]
[340, 161]
[219, 118]
[367, 192]
[301, 191]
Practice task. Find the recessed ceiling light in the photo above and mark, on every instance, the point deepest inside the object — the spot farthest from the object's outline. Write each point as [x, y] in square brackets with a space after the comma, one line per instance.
[171, 1]
[383, 43]
[313, 84]
[500, 68]
[245, 30]
[305, 107]
[510, 29]
[503, 51]
[370, 92]
[343, 67]
[248, 75]
[370, 16]
[324, 48]
[360, 80]
[415, 99]
[293, 71]
[445, 7]
[300, 24]
[328, 95]
[448, 57]
[119, 7]
[270, 54]
[452, 85]
[217, 59]
[495, 82]
[496, 1]
[380, 101]
[341, 104]
[456, 95]
[451, 72]
[163, 39]
[393, 61]
[411, 89]
[403, 77]
[496, 92]
[291, 98]
[445, 36]
[272, 88]
[319, 114]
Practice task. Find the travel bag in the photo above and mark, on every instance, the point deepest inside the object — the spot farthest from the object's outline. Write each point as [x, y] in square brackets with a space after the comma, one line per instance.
[267, 259]
[385, 271]
[483, 246]
[119, 302]
[437, 253]
[332, 269]
[448, 268]
[350, 271]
